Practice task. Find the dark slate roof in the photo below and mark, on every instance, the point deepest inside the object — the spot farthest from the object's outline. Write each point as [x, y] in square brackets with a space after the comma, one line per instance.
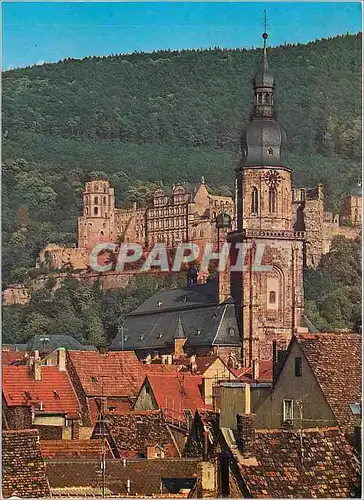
[48, 343]
[330, 468]
[204, 321]
[23, 471]
[145, 476]
[335, 359]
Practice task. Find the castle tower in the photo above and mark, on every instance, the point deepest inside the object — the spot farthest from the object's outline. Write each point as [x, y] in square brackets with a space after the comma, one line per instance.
[97, 224]
[269, 302]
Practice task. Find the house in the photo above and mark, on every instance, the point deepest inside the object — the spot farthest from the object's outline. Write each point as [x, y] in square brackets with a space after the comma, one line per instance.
[286, 463]
[203, 435]
[45, 344]
[173, 478]
[23, 469]
[182, 321]
[42, 397]
[317, 384]
[208, 366]
[138, 434]
[178, 395]
[111, 377]
[74, 449]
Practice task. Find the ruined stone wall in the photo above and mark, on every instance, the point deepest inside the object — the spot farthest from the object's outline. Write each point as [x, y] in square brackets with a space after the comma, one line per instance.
[331, 230]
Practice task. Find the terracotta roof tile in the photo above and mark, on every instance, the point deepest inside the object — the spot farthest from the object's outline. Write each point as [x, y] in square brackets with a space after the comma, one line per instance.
[23, 470]
[265, 372]
[54, 390]
[178, 392]
[134, 432]
[73, 448]
[146, 476]
[329, 468]
[117, 373]
[335, 359]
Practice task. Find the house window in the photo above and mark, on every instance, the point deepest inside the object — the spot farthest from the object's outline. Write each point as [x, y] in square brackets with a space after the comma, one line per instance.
[254, 205]
[288, 410]
[272, 297]
[298, 367]
[147, 390]
[272, 200]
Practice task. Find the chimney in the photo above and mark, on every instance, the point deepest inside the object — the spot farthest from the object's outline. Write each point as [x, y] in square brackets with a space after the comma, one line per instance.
[207, 480]
[169, 359]
[246, 433]
[193, 364]
[148, 359]
[150, 452]
[178, 348]
[255, 370]
[62, 359]
[207, 390]
[37, 370]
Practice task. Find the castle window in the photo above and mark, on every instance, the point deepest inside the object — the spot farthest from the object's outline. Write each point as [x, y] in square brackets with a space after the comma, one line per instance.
[272, 297]
[201, 234]
[254, 205]
[96, 211]
[104, 200]
[86, 210]
[272, 200]
[96, 187]
[96, 200]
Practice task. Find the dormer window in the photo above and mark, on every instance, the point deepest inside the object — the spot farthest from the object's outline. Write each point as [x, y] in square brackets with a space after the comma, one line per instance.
[270, 151]
[198, 332]
[141, 337]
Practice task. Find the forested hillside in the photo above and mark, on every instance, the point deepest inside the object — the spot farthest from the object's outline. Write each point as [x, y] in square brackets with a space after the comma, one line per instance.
[143, 118]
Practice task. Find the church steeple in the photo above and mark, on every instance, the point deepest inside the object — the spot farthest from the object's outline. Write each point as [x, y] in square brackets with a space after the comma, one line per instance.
[264, 138]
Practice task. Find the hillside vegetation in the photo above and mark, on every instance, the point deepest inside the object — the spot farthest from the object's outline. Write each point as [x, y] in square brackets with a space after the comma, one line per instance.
[143, 118]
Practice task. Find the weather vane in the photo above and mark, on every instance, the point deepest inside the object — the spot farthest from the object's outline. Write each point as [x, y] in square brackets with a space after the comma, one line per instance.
[265, 34]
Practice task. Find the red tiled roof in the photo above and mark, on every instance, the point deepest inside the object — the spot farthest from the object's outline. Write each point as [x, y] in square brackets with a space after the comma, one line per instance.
[119, 408]
[159, 368]
[178, 392]
[117, 373]
[74, 448]
[329, 469]
[202, 363]
[54, 390]
[335, 359]
[265, 372]
[8, 357]
[23, 470]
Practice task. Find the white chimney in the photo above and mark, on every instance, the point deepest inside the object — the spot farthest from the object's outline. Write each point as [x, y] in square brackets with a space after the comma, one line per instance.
[255, 369]
[207, 390]
[62, 359]
[128, 486]
[193, 364]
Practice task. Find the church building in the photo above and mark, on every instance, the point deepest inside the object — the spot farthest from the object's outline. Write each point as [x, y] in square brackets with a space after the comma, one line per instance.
[269, 304]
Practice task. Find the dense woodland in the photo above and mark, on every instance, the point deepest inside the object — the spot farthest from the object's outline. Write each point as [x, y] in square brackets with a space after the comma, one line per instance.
[142, 119]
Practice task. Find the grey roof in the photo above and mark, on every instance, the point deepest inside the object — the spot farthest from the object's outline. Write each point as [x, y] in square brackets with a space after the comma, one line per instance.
[263, 143]
[46, 343]
[179, 332]
[193, 310]
[264, 77]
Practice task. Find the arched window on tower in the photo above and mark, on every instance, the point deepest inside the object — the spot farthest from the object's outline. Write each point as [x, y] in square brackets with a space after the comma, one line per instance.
[254, 201]
[260, 98]
[272, 200]
[96, 211]
[267, 98]
[96, 200]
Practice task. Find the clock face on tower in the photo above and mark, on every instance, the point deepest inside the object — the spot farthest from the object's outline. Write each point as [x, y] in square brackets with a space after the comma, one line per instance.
[272, 178]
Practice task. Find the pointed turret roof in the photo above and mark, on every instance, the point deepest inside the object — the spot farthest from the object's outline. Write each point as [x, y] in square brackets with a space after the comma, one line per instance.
[264, 77]
[179, 332]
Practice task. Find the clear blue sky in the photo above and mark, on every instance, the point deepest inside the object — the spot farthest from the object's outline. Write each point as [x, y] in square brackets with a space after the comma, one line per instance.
[49, 31]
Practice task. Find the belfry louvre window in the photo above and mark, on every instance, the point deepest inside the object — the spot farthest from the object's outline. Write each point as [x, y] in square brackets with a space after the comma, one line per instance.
[272, 200]
[288, 410]
[254, 204]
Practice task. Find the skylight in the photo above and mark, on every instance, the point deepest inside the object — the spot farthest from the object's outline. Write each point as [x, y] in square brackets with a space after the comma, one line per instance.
[355, 408]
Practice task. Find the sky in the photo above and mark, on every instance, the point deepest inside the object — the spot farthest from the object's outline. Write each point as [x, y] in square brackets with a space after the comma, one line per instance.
[38, 32]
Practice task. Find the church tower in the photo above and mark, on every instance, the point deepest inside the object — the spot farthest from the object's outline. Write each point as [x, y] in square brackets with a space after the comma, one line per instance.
[270, 301]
